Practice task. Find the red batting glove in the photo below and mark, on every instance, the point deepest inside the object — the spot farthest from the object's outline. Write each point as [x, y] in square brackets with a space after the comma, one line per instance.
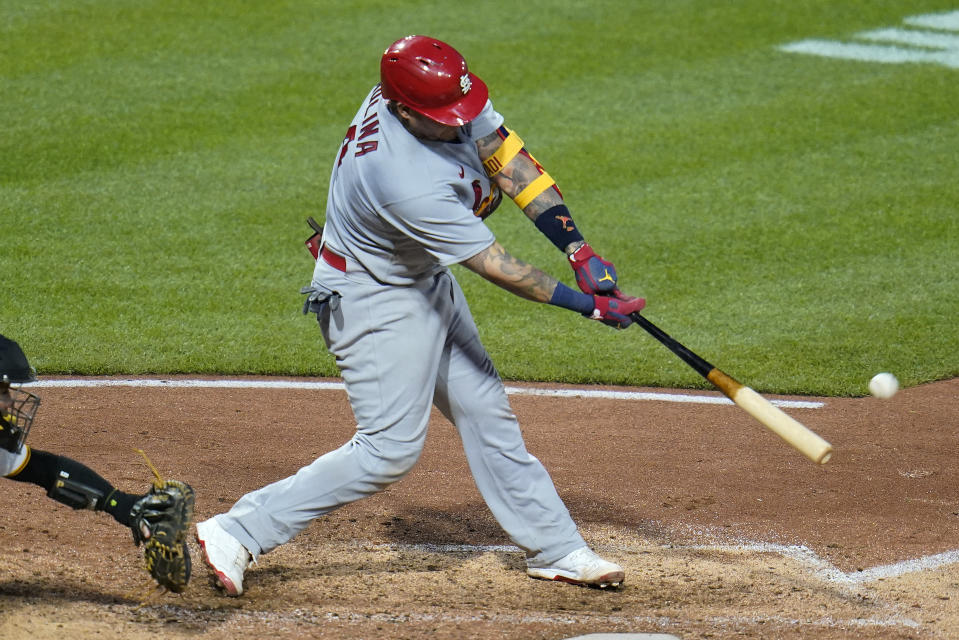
[615, 311]
[593, 273]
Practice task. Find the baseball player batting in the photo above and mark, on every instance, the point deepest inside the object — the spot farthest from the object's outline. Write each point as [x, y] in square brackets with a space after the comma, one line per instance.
[159, 519]
[424, 161]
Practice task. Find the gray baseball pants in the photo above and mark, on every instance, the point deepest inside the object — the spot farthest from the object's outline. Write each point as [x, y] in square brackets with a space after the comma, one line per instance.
[401, 350]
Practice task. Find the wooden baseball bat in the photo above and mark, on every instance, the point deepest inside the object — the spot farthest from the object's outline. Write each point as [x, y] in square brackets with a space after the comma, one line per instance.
[786, 427]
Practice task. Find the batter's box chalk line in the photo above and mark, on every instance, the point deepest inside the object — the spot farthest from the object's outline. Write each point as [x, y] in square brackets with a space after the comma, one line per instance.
[626, 636]
[691, 398]
[801, 554]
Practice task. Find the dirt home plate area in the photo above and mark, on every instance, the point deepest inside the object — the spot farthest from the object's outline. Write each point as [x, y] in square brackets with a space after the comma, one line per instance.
[724, 530]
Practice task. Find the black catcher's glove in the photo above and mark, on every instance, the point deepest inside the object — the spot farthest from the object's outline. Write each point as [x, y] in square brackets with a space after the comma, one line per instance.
[160, 520]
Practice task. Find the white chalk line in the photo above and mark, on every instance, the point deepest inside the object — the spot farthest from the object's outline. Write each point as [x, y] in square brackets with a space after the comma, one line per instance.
[314, 618]
[799, 553]
[321, 385]
[237, 618]
[829, 572]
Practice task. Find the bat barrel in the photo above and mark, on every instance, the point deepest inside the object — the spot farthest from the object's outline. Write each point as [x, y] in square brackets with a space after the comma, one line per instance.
[782, 424]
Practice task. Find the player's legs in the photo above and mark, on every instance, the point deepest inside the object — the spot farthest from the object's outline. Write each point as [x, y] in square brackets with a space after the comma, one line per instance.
[387, 341]
[514, 484]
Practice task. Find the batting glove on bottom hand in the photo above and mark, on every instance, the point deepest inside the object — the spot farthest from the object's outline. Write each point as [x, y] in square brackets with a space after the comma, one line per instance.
[615, 311]
[593, 273]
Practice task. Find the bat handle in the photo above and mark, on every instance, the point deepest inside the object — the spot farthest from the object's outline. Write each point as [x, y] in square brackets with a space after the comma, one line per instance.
[701, 366]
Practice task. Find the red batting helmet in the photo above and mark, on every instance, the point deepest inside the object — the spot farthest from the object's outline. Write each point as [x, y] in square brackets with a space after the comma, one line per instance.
[430, 77]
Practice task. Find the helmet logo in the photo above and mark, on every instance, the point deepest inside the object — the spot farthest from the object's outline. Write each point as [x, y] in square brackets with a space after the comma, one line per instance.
[465, 83]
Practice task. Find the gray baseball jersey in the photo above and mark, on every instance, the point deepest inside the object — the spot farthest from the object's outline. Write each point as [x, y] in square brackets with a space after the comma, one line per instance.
[400, 210]
[402, 207]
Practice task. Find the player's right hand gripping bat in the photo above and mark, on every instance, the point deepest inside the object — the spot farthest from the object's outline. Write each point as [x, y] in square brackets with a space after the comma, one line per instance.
[792, 431]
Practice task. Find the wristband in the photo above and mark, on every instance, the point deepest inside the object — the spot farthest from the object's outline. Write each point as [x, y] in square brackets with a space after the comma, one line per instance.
[565, 297]
[556, 223]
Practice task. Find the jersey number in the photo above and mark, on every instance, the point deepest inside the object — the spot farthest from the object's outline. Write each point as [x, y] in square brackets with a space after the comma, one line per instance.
[370, 126]
[350, 134]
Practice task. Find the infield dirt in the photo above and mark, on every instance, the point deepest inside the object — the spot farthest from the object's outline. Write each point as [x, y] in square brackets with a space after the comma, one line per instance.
[723, 529]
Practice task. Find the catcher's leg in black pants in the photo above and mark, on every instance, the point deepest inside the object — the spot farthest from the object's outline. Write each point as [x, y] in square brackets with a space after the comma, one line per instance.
[75, 485]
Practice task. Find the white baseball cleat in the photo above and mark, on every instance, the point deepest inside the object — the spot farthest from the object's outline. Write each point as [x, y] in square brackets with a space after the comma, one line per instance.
[582, 566]
[224, 554]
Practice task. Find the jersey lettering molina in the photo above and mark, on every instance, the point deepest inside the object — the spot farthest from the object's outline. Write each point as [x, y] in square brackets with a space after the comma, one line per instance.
[401, 207]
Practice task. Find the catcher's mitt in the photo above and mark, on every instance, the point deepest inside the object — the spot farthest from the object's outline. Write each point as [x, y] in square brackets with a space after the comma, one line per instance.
[165, 513]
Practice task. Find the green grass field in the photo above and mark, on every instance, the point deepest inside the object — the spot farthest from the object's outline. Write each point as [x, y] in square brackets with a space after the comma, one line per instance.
[794, 219]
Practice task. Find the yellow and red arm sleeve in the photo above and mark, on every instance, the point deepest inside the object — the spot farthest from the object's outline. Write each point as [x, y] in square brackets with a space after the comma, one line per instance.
[512, 146]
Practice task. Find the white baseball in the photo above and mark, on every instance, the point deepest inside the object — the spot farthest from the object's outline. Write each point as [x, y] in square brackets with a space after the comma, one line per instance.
[883, 385]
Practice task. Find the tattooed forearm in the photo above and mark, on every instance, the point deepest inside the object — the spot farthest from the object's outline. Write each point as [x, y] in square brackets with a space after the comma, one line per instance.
[517, 175]
[518, 277]
[488, 145]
